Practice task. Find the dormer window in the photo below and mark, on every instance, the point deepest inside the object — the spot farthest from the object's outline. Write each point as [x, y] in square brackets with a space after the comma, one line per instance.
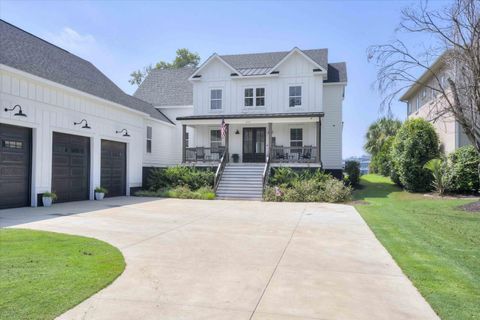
[295, 96]
[216, 99]
[254, 97]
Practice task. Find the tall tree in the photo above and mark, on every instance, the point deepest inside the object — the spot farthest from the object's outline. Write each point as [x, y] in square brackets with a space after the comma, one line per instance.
[184, 58]
[379, 132]
[455, 35]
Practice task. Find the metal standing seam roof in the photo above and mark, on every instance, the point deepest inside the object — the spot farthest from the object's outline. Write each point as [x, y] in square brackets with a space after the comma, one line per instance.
[26, 52]
[253, 116]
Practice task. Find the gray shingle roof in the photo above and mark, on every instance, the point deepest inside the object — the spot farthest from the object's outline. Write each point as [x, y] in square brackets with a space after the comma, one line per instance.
[26, 52]
[171, 87]
[167, 87]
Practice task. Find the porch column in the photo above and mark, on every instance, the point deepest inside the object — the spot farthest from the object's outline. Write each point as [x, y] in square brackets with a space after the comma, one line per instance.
[270, 140]
[227, 141]
[184, 143]
[319, 140]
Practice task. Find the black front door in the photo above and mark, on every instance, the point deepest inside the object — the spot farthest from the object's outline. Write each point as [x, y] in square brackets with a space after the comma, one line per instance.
[254, 144]
[70, 167]
[113, 172]
[15, 160]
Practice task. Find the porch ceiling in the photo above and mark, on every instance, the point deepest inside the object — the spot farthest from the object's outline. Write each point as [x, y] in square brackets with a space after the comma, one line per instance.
[252, 118]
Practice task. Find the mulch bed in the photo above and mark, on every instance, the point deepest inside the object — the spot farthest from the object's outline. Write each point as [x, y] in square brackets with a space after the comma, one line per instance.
[471, 207]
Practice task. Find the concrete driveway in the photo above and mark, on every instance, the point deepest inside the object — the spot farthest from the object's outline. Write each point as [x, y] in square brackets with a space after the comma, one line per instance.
[189, 259]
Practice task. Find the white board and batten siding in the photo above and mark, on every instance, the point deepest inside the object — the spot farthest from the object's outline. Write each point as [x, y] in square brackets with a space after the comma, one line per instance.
[51, 107]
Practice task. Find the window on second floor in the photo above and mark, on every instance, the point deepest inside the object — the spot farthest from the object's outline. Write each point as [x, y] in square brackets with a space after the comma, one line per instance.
[294, 96]
[254, 97]
[216, 99]
[149, 139]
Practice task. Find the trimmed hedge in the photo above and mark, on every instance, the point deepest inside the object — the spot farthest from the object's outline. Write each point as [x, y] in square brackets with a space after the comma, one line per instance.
[415, 144]
[462, 171]
[352, 173]
[173, 177]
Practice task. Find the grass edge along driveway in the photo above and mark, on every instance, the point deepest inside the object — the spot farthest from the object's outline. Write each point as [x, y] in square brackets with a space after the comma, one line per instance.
[43, 274]
[436, 245]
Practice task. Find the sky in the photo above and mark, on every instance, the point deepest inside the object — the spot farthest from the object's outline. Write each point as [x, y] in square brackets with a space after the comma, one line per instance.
[121, 36]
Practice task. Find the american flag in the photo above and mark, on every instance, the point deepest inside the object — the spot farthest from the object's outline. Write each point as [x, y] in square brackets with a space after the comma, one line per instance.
[223, 128]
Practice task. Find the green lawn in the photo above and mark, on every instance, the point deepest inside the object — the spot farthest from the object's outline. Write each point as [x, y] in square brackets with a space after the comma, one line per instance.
[43, 274]
[436, 245]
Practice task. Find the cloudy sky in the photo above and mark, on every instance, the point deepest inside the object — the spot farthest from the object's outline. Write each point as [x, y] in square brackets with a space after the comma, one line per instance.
[121, 36]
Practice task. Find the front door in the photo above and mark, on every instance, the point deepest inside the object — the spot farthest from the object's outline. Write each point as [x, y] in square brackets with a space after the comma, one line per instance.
[254, 144]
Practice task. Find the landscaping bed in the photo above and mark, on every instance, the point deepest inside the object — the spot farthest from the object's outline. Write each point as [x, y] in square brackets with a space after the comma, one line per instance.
[44, 274]
[436, 244]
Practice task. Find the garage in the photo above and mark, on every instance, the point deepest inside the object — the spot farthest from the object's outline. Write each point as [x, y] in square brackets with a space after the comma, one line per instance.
[113, 168]
[70, 167]
[15, 166]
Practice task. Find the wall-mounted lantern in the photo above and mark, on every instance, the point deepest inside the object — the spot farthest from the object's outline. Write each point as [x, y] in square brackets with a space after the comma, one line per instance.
[125, 132]
[85, 126]
[19, 113]
[237, 132]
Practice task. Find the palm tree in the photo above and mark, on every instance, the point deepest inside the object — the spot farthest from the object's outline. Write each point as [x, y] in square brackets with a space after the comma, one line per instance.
[378, 132]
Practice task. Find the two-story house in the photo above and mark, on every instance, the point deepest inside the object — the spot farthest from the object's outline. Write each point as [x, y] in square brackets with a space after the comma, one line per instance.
[426, 103]
[280, 108]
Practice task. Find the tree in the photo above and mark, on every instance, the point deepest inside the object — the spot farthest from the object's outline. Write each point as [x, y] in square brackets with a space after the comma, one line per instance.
[379, 132]
[184, 58]
[455, 35]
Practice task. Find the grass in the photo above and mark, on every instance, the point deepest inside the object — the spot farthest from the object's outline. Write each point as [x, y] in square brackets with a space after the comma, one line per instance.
[43, 274]
[436, 245]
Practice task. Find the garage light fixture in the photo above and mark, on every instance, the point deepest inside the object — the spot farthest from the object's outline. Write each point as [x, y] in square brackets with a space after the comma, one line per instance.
[123, 130]
[19, 113]
[85, 126]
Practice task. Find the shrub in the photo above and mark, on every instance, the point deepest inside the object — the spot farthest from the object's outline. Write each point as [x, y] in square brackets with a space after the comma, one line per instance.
[180, 176]
[415, 144]
[283, 176]
[352, 171]
[335, 191]
[462, 172]
[101, 190]
[438, 168]
[382, 161]
[181, 192]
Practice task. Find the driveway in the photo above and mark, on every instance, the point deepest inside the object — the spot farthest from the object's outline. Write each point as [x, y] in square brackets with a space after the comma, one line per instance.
[192, 259]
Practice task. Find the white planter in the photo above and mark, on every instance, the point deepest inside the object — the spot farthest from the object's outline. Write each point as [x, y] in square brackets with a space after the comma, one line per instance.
[99, 195]
[47, 201]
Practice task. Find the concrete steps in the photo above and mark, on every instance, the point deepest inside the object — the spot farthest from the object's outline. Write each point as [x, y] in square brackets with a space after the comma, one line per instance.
[241, 181]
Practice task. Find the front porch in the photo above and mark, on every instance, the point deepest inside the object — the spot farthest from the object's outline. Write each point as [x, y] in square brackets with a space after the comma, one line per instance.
[292, 140]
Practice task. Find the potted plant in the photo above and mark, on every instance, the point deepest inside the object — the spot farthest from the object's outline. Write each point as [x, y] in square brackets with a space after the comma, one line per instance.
[100, 193]
[235, 157]
[48, 198]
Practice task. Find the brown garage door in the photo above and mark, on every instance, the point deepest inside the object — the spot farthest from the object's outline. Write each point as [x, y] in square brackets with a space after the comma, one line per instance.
[15, 166]
[70, 167]
[113, 171]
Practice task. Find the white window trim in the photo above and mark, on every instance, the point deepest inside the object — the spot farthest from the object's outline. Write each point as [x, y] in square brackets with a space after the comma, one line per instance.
[254, 97]
[210, 99]
[301, 96]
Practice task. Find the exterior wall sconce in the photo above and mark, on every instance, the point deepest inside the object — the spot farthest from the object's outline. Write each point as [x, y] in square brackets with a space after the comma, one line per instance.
[85, 126]
[237, 132]
[19, 113]
[123, 130]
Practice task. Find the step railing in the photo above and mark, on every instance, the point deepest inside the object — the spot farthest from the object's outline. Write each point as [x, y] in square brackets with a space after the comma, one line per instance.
[266, 174]
[220, 169]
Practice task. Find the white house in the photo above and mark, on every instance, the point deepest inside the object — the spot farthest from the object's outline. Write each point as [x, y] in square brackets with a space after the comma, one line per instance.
[279, 108]
[65, 127]
[71, 128]
[424, 102]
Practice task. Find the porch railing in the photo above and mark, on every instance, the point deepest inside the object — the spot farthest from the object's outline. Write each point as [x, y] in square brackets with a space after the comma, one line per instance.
[220, 168]
[304, 154]
[266, 174]
[204, 154]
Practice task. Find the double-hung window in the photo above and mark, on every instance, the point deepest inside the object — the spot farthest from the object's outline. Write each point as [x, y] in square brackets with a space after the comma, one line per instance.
[254, 97]
[215, 139]
[216, 99]
[296, 139]
[149, 139]
[294, 96]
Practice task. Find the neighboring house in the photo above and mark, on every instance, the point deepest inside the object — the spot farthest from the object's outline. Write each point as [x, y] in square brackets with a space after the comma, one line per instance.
[46, 150]
[364, 162]
[282, 106]
[423, 102]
